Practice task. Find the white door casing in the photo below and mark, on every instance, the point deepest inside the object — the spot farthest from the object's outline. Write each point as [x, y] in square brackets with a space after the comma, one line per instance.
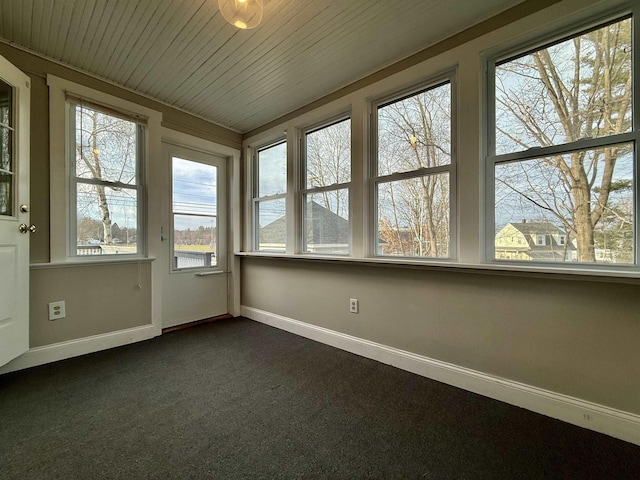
[190, 294]
[14, 186]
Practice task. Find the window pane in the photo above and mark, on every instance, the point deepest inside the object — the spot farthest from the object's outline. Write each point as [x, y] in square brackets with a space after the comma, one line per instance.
[6, 149]
[272, 170]
[6, 198]
[329, 155]
[579, 88]
[6, 99]
[194, 241]
[194, 206]
[326, 220]
[106, 220]
[272, 225]
[415, 132]
[413, 217]
[576, 207]
[106, 146]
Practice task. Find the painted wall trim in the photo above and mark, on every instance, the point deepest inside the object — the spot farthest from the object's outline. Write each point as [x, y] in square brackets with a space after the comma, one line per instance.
[80, 346]
[616, 423]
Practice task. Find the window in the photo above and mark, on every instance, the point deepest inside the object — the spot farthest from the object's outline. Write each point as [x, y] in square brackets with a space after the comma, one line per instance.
[561, 146]
[269, 199]
[325, 192]
[98, 145]
[414, 173]
[195, 214]
[105, 161]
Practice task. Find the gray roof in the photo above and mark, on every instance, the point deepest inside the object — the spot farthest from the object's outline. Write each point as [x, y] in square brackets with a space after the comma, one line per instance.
[538, 228]
[552, 250]
[323, 226]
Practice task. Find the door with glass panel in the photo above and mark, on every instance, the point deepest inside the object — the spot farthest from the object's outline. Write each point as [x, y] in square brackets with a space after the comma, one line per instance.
[15, 226]
[195, 285]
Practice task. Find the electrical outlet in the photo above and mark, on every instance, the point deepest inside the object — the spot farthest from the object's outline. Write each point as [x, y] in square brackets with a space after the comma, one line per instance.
[353, 305]
[57, 310]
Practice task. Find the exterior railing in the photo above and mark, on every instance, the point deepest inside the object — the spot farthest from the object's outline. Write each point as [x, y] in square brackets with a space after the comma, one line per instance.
[191, 259]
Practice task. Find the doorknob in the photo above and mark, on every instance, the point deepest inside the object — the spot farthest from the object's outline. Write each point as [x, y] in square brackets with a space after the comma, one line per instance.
[24, 208]
[24, 228]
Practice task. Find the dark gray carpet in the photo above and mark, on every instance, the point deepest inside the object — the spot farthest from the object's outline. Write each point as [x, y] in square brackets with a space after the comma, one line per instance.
[237, 399]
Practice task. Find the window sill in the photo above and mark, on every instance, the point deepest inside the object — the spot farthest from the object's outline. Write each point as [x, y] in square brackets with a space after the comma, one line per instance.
[540, 271]
[91, 262]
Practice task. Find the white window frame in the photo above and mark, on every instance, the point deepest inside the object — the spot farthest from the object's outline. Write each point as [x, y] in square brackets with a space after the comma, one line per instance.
[303, 191]
[450, 77]
[256, 199]
[61, 182]
[492, 159]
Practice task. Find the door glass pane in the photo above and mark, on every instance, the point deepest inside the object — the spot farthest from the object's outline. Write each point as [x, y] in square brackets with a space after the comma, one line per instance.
[195, 208]
[6, 98]
[6, 150]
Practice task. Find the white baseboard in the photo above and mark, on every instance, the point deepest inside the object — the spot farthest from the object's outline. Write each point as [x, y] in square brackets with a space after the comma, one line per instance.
[616, 423]
[73, 348]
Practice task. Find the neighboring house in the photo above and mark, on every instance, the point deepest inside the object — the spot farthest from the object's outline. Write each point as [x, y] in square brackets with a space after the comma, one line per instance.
[542, 241]
[326, 232]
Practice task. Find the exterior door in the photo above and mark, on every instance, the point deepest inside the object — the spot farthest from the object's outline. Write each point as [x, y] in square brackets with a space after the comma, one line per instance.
[195, 244]
[15, 227]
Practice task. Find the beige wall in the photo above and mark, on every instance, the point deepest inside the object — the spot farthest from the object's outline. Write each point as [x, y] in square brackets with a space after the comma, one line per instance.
[580, 338]
[99, 299]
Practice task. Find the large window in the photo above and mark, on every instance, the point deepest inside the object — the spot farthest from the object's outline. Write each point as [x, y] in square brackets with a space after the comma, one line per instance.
[414, 170]
[562, 150]
[105, 161]
[269, 198]
[325, 192]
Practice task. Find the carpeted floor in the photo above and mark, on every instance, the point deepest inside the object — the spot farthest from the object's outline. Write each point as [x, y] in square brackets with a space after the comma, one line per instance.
[237, 399]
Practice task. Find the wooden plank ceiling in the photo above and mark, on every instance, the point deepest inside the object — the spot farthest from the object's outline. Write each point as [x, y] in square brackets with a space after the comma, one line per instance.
[184, 54]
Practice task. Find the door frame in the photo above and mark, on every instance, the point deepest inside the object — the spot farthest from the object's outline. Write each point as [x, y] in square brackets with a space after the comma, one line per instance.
[232, 155]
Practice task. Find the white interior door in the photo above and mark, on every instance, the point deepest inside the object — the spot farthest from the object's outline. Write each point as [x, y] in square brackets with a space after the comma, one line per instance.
[195, 283]
[15, 227]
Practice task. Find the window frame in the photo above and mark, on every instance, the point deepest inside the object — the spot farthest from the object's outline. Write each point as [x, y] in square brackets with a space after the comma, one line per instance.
[303, 191]
[448, 76]
[256, 199]
[61, 240]
[500, 56]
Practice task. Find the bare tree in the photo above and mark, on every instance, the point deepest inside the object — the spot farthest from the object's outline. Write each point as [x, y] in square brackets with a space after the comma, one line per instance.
[577, 89]
[329, 163]
[414, 134]
[105, 160]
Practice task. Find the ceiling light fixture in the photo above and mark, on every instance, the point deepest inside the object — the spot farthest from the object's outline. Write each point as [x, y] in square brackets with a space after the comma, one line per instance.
[243, 14]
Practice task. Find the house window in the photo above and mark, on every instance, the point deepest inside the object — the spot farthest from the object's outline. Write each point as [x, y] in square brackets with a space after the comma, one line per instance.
[325, 193]
[269, 199]
[414, 170]
[106, 184]
[562, 142]
[540, 240]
